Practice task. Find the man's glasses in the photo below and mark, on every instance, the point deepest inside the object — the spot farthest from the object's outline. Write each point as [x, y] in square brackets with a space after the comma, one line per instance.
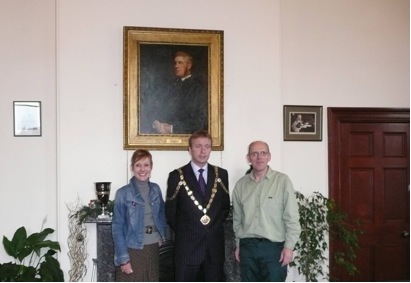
[256, 154]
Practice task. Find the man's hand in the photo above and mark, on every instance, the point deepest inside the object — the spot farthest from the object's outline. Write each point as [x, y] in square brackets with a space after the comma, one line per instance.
[286, 256]
[237, 254]
[162, 128]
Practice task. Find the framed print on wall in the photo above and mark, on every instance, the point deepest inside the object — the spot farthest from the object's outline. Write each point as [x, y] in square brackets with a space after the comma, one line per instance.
[173, 86]
[303, 123]
[27, 118]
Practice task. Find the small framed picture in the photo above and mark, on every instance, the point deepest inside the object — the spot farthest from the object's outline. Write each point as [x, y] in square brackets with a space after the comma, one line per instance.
[303, 123]
[27, 118]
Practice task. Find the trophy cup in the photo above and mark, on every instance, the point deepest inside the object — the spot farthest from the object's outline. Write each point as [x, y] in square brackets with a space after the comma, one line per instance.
[103, 195]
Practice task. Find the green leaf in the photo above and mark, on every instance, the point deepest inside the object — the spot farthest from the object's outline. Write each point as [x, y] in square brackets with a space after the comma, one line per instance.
[50, 270]
[8, 272]
[17, 243]
[24, 252]
[9, 247]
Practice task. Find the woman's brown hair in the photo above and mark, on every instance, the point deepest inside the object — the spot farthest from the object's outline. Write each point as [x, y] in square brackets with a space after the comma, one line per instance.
[141, 154]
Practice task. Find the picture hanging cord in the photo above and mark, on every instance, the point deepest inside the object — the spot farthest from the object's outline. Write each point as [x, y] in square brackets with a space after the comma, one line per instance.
[127, 171]
[221, 159]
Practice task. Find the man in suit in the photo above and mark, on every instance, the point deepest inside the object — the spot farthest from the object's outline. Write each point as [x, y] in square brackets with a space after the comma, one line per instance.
[196, 216]
[186, 100]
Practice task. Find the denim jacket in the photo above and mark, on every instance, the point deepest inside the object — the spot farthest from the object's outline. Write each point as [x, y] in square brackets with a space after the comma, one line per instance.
[128, 219]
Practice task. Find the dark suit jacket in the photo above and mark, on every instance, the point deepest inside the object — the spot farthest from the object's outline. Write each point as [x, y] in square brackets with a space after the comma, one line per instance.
[187, 107]
[193, 239]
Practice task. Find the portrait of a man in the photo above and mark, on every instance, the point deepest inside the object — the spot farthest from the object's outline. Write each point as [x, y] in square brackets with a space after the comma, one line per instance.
[174, 92]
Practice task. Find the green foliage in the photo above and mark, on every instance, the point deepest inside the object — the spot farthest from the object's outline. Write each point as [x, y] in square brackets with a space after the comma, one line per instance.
[92, 210]
[320, 219]
[30, 264]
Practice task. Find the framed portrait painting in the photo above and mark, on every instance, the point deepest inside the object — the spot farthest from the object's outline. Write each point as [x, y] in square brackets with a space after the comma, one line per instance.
[173, 86]
[303, 123]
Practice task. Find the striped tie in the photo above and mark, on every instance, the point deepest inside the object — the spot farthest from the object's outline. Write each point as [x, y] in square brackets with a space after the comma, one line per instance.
[201, 182]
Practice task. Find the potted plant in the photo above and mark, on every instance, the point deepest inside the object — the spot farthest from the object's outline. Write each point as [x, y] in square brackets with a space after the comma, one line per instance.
[321, 220]
[31, 263]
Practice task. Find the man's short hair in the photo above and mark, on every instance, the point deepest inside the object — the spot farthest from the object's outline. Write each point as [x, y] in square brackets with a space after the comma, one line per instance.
[185, 55]
[199, 134]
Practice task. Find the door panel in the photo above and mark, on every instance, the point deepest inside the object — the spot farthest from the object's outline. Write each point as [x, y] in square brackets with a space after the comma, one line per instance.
[369, 177]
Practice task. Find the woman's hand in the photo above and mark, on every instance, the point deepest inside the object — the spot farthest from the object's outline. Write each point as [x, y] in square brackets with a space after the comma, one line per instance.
[126, 268]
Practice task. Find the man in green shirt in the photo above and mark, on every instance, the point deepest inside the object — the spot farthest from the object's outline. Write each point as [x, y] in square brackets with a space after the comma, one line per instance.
[265, 219]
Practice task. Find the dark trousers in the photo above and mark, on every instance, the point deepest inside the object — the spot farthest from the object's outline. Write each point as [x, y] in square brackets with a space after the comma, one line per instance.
[259, 261]
[207, 271]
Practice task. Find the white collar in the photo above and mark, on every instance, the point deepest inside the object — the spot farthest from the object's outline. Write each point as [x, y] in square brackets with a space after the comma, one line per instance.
[186, 77]
[196, 167]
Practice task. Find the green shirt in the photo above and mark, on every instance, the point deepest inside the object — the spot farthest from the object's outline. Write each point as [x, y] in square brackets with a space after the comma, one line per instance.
[266, 209]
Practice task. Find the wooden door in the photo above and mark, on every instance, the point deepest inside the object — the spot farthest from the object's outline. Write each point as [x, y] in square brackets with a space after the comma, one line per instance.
[369, 179]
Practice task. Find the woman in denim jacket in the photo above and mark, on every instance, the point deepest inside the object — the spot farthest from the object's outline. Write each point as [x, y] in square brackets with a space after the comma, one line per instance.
[139, 224]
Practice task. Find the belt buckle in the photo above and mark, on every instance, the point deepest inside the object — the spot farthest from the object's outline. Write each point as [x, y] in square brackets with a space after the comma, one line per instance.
[149, 229]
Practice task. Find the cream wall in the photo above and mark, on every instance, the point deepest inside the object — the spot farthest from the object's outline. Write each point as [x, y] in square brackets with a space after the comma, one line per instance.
[68, 54]
[28, 165]
[340, 54]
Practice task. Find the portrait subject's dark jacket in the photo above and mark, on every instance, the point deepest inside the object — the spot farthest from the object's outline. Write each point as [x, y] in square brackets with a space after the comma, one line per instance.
[185, 106]
[192, 238]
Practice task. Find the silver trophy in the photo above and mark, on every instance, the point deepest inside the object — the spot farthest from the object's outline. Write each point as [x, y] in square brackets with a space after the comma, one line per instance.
[103, 195]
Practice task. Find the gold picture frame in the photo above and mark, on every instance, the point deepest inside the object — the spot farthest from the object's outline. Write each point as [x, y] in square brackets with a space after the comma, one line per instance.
[150, 56]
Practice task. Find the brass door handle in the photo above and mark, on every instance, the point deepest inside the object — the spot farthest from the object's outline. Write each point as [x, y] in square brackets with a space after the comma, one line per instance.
[405, 234]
